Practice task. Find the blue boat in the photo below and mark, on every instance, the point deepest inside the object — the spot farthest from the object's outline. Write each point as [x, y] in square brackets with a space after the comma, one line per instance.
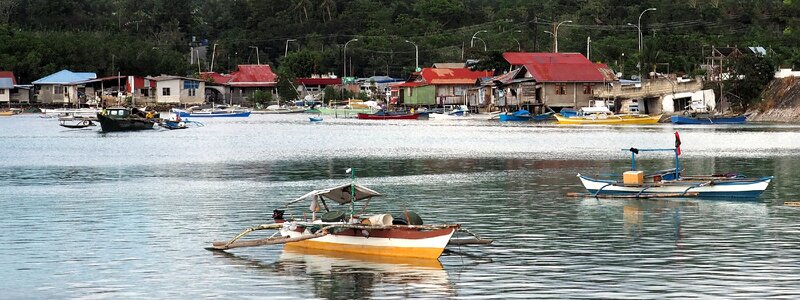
[211, 113]
[315, 119]
[524, 116]
[709, 119]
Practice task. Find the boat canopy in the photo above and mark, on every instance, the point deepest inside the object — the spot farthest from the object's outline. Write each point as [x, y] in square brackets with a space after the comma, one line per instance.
[340, 194]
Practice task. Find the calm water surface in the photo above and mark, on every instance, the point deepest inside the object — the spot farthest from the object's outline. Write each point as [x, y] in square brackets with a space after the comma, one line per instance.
[126, 215]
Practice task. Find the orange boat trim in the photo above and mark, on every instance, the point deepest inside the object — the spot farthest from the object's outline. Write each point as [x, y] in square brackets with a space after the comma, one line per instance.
[370, 250]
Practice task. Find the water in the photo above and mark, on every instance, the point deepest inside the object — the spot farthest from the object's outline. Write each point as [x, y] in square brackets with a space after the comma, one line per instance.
[126, 215]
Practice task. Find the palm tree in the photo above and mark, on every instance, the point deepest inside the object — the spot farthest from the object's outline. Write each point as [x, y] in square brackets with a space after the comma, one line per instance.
[327, 6]
[302, 6]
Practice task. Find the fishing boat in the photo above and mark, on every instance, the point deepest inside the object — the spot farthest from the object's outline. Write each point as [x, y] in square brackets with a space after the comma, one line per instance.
[608, 119]
[212, 113]
[314, 119]
[126, 119]
[6, 113]
[386, 115]
[671, 183]
[78, 125]
[83, 112]
[709, 119]
[523, 115]
[359, 233]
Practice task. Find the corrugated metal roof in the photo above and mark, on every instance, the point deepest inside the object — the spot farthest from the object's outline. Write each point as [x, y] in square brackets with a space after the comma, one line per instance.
[556, 67]
[215, 77]
[253, 76]
[8, 74]
[453, 76]
[6, 83]
[65, 77]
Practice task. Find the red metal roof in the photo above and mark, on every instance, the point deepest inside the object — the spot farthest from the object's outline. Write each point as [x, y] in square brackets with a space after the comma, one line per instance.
[409, 84]
[8, 74]
[215, 77]
[252, 76]
[453, 76]
[556, 67]
[319, 81]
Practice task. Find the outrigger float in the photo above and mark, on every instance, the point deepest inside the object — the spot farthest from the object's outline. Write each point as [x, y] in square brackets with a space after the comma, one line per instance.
[671, 183]
[381, 234]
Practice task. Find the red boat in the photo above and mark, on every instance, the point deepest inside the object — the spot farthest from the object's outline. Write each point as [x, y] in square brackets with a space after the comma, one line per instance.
[382, 115]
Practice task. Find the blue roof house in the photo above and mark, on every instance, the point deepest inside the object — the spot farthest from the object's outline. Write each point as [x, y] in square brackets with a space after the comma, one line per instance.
[62, 87]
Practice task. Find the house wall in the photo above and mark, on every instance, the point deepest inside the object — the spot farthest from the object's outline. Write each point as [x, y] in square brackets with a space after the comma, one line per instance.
[20, 95]
[44, 94]
[421, 95]
[199, 96]
[240, 95]
[174, 91]
[451, 94]
[5, 95]
[574, 96]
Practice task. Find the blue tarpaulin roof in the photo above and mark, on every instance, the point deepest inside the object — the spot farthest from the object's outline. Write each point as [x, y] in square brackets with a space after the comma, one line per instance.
[65, 76]
[6, 83]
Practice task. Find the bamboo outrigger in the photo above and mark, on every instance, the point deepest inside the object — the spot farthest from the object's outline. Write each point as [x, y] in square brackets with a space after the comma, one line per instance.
[380, 235]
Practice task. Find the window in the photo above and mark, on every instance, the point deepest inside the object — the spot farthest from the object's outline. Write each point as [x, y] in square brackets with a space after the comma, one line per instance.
[192, 92]
[56, 89]
[165, 92]
[588, 88]
[561, 88]
[145, 92]
[2, 91]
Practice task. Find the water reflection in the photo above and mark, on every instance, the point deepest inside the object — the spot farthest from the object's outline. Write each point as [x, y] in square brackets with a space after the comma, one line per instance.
[335, 275]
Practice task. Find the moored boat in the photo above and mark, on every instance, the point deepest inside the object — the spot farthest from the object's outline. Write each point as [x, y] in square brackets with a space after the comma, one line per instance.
[608, 119]
[337, 230]
[384, 115]
[709, 119]
[126, 119]
[671, 183]
[524, 116]
[211, 113]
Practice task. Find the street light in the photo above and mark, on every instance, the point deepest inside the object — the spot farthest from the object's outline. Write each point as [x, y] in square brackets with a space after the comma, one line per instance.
[472, 41]
[639, 29]
[287, 46]
[344, 59]
[548, 32]
[416, 53]
[258, 58]
[519, 46]
[482, 41]
[555, 34]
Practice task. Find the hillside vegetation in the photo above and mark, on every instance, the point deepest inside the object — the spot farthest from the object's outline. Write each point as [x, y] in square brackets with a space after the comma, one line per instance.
[150, 37]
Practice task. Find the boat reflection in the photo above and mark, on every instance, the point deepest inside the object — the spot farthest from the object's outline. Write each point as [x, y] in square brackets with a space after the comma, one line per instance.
[335, 275]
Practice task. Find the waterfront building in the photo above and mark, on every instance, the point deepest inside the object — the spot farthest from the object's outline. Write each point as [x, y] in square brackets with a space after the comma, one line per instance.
[62, 87]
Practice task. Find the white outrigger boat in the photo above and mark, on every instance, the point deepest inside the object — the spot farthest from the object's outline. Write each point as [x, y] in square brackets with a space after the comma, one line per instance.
[671, 183]
[381, 234]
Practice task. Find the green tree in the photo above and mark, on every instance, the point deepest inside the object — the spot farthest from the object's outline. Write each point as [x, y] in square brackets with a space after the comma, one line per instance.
[286, 88]
[751, 73]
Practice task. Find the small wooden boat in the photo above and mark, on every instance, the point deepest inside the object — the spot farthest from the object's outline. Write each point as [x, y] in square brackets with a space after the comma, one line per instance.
[211, 113]
[608, 119]
[172, 125]
[524, 116]
[126, 119]
[81, 124]
[709, 119]
[6, 113]
[384, 115]
[671, 183]
[315, 119]
[337, 230]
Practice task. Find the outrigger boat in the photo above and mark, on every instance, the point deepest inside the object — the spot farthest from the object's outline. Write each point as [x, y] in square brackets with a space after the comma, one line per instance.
[380, 235]
[671, 183]
[608, 119]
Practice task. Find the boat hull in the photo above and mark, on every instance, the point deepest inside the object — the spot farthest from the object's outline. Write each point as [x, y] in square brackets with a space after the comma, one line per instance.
[415, 116]
[393, 242]
[723, 189]
[108, 124]
[186, 114]
[709, 120]
[608, 120]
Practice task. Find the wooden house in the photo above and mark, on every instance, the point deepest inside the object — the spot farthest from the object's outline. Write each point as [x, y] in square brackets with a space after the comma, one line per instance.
[61, 87]
[179, 90]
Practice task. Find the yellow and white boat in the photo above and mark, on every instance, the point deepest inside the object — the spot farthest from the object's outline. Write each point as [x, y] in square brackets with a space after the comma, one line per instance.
[608, 119]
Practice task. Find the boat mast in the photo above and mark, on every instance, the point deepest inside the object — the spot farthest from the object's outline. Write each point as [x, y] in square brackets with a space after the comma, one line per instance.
[352, 172]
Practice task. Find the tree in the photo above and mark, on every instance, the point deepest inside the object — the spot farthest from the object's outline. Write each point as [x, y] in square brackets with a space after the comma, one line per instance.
[286, 89]
[260, 98]
[751, 73]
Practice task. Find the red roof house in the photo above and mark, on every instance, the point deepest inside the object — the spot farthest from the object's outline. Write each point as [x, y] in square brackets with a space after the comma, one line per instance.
[557, 67]
[8, 74]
